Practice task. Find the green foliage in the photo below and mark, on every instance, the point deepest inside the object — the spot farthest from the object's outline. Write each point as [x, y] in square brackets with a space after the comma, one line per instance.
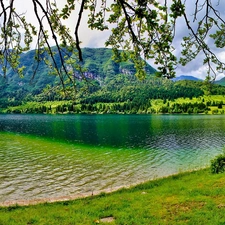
[218, 164]
[124, 94]
[110, 83]
[97, 65]
[139, 28]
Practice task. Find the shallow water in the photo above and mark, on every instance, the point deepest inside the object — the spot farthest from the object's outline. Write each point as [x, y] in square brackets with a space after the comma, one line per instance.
[44, 156]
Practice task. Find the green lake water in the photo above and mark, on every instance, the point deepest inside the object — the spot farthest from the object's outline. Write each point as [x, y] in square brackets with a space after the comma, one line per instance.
[50, 156]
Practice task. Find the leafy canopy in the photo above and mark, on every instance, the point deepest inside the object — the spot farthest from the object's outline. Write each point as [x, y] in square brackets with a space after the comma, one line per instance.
[141, 28]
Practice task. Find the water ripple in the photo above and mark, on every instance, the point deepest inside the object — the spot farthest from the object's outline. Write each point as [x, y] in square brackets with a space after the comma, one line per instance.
[32, 167]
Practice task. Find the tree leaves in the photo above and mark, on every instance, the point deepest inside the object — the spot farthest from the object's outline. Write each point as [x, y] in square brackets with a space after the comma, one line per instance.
[145, 29]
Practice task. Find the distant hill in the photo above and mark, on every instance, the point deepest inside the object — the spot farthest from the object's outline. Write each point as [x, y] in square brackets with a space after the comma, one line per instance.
[221, 81]
[186, 77]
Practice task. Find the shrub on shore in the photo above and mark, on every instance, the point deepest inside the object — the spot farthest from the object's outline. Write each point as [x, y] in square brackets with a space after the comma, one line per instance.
[218, 164]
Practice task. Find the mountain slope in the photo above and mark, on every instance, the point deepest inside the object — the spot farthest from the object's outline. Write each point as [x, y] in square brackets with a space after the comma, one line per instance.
[111, 82]
[185, 77]
[221, 81]
[97, 62]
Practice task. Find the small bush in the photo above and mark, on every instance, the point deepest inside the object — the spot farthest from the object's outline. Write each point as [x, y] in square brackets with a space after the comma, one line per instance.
[218, 164]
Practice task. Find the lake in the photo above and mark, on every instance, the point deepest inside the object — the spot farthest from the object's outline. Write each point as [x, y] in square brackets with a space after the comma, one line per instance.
[51, 156]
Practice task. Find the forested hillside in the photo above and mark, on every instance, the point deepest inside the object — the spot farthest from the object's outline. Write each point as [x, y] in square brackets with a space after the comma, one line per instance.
[97, 63]
[110, 87]
[127, 95]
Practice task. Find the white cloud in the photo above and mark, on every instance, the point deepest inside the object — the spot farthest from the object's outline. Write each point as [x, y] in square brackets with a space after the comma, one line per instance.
[88, 37]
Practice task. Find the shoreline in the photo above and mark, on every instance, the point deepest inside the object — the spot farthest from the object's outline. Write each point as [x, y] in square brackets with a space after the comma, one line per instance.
[63, 198]
[31, 202]
[187, 198]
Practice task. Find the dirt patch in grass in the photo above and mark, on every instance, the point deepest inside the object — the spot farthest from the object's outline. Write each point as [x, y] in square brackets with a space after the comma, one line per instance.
[184, 207]
[109, 219]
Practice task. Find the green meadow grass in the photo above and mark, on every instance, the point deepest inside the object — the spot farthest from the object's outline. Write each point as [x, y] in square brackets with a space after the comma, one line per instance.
[156, 105]
[196, 197]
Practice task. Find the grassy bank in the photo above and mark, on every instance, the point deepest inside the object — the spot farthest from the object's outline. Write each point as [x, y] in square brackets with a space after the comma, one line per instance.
[188, 198]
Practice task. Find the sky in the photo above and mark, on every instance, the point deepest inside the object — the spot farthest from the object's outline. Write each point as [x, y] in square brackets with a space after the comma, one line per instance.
[93, 38]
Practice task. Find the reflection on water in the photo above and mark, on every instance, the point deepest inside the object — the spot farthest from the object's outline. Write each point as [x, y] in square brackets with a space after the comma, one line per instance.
[44, 156]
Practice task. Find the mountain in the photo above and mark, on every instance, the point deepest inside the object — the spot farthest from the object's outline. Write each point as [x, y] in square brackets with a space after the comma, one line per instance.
[186, 77]
[97, 62]
[221, 81]
[109, 82]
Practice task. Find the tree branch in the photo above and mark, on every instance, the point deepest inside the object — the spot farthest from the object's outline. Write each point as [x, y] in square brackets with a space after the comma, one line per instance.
[77, 29]
[134, 38]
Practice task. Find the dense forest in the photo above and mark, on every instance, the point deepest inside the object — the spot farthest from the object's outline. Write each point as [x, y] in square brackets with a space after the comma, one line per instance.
[109, 87]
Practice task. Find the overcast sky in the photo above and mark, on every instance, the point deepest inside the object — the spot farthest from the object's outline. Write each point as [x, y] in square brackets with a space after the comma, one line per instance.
[96, 39]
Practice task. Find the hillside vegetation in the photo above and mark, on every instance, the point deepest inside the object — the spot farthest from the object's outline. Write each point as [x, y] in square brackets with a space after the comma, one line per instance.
[152, 95]
[97, 64]
[110, 87]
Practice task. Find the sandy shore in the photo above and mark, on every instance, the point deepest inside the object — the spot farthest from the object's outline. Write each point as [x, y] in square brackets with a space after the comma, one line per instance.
[57, 199]
[77, 196]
